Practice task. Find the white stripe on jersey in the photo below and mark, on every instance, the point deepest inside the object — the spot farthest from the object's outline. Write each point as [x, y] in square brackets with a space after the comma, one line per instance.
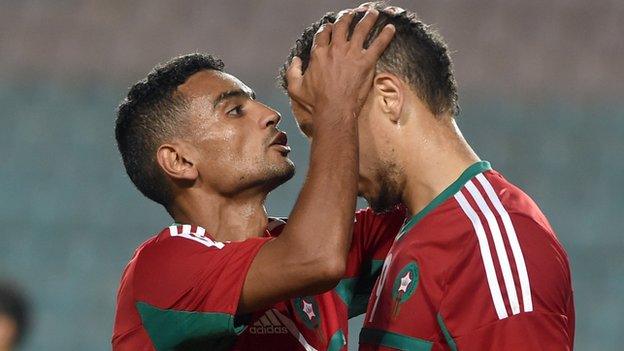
[499, 245]
[186, 233]
[484, 247]
[292, 328]
[513, 242]
[200, 231]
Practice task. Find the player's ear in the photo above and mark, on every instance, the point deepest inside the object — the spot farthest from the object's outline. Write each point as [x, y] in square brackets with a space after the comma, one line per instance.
[176, 163]
[389, 92]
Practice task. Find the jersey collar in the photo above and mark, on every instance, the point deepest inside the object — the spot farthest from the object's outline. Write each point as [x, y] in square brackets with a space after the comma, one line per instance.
[267, 231]
[451, 190]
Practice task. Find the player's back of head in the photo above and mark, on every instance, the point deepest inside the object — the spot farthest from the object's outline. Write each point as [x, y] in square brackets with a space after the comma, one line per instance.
[417, 54]
[153, 113]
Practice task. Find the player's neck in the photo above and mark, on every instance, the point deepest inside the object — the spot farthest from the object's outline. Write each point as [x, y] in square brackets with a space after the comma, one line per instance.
[431, 168]
[225, 218]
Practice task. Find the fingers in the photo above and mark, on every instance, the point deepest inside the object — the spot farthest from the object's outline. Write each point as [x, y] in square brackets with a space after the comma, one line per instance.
[380, 43]
[394, 10]
[294, 75]
[365, 6]
[323, 36]
[341, 26]
[363, 28]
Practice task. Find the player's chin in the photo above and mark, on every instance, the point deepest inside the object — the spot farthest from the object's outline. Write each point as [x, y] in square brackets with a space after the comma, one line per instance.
[284, 168]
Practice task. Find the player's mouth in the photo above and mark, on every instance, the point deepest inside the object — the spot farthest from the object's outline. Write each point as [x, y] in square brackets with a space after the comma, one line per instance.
[280, 143]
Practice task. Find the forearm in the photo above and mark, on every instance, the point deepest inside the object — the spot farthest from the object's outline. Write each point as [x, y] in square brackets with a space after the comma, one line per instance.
[321, 223]
[309, 256]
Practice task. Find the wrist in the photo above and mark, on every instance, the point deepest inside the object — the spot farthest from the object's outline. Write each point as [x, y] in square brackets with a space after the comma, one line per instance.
[336, 112]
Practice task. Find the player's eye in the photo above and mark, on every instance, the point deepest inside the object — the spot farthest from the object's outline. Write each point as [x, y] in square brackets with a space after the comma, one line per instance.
[236, 111]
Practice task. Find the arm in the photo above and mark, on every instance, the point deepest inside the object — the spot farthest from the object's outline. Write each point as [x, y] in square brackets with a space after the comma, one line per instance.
[309, 256]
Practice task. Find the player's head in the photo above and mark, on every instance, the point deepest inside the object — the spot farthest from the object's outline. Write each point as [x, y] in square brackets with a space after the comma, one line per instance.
[189, 125]
[414, 79]
[14, 317]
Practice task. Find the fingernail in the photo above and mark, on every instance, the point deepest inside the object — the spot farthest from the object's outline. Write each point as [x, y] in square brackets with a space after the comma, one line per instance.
[342, 13]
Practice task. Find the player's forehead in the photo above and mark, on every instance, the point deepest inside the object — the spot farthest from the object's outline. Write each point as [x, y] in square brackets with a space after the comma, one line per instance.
[211, 84]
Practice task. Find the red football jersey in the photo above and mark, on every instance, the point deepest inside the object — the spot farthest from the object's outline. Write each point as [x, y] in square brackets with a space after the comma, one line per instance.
[181, 291]
[479, 268]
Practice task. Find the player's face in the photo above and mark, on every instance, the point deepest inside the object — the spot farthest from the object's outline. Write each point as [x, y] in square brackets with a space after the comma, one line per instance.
[239, 144]
[378, 173]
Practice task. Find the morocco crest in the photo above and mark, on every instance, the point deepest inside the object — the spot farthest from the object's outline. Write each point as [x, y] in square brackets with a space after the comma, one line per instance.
[308, 312]
[404, 286]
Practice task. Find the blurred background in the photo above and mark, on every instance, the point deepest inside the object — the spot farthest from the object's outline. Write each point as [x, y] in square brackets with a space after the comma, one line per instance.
[541, 90]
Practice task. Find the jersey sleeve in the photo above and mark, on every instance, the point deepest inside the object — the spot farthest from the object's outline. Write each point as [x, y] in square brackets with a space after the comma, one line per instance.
[187, 288]
[373, 235]
[519, 302]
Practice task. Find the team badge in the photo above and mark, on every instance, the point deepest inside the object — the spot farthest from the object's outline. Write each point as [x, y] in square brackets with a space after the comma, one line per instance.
[308, 312]
[404, 286]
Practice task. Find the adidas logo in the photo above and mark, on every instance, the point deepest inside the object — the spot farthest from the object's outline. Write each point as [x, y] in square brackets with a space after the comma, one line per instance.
[268, 324]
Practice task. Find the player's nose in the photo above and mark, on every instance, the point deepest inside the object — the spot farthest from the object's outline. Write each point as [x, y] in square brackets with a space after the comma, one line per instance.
[270, 118]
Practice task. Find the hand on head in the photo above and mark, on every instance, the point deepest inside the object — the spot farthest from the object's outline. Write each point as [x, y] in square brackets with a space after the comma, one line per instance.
[340, 72]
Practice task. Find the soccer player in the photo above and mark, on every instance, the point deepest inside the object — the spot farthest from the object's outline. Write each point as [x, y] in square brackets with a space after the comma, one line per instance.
[195, 140]
[477, 266]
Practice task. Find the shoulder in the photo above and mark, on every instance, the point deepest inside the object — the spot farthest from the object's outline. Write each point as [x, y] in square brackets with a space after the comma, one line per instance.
[489, 206]
[509, 249]
[182, 251]
[182, 258]
[176, 241]
[495, 208]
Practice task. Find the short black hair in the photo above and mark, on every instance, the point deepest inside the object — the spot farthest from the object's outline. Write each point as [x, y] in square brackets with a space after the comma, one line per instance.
[14, 305]
[150, 114]
[417, 53]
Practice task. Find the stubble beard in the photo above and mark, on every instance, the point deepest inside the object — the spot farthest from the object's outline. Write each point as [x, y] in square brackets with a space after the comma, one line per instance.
[276, 175]
[389, 189]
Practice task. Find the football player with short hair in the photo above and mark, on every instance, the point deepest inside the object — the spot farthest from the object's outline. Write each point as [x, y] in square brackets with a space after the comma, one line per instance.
[194, 139]
[477, 266]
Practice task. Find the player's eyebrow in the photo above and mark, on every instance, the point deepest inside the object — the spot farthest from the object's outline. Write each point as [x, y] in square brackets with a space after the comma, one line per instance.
[232, 94]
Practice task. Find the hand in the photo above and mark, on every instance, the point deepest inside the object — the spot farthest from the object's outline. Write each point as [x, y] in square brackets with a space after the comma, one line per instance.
[340, 71]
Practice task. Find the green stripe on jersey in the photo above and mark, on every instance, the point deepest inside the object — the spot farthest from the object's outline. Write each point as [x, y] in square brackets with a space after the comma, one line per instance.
[451, 190]
[394, 340]
[449, 339]
[345, 289]
[355, 291]
[337, 341]
[169, 328]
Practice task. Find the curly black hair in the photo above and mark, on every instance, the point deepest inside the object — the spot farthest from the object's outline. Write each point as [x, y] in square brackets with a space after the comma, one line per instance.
[150, 114]
[417, 53]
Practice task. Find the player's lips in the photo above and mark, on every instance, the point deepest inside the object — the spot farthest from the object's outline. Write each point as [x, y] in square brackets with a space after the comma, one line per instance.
[280, 141]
